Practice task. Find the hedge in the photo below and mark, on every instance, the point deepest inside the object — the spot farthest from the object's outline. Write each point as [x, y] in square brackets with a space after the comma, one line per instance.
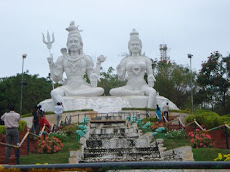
[208, 118]
[21, 127]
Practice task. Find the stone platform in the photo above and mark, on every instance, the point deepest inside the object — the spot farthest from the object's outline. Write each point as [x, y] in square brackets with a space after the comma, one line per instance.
[105, 104]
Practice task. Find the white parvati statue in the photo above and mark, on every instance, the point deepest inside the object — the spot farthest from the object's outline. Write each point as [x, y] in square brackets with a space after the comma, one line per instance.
[75, 64]
[136, 65]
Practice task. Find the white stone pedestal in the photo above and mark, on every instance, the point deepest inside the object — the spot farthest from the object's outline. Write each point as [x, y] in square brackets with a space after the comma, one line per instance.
[105, 104]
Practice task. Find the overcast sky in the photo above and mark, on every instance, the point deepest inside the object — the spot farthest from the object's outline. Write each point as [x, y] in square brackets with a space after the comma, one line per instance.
[198, 27]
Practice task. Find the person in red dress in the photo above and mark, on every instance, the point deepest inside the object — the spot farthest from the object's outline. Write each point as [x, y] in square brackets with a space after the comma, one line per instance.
[42, 120]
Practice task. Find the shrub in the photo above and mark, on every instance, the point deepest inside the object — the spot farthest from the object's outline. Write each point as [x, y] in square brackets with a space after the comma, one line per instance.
[224, 119]
[200, 139]
[22, 125]
[2, 129]
[157, 125]
[223, 157]
[60, 135]
[208, 118]
[69, 129]
[49, 145]
[151, 119]
[175, 134]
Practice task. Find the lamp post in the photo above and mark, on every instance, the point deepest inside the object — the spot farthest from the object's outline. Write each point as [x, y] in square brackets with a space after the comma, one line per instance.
[23, 58]
[190, 57]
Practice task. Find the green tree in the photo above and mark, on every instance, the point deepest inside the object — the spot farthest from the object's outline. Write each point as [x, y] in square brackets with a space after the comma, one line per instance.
[173, 82]
[35, 90]
[110, 80]
[213, 79]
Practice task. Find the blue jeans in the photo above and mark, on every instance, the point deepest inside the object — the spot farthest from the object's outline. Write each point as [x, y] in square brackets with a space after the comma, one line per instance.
[12, 137]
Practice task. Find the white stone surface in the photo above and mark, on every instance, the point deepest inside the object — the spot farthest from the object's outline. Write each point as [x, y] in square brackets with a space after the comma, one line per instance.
[135, 65]
[105, 104]
[75, 64]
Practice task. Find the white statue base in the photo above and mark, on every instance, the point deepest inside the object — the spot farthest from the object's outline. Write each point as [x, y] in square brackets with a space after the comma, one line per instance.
[105, 104]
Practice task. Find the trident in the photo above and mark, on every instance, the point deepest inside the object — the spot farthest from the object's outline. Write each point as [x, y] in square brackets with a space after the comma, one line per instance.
[49, 46]
[48, 42]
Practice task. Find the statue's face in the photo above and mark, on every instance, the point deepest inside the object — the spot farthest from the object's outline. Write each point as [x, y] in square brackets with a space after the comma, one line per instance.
[73, 44]
[135, 46]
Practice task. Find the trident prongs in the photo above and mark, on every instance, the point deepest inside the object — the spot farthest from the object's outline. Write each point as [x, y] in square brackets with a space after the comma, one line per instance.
[48, 42]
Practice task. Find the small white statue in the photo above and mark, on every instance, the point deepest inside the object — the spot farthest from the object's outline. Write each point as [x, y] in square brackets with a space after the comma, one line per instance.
[135, 65]
[75, 64]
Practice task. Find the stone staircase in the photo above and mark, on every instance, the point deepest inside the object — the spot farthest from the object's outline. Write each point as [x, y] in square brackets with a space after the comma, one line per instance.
[114, 140]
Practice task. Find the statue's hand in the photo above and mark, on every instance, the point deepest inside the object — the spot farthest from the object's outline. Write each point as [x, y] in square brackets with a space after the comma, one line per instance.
[50, 59]
[93, 80]
[101, 59]
[151, 80]
[119, 69]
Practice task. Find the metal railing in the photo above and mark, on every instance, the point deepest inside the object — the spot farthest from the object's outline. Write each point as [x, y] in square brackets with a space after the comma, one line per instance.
[105, 166]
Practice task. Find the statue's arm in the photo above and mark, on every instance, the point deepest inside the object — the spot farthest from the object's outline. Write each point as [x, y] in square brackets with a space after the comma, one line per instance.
[121, 71]
[93, 76]
[56, 69]
[89, 65]
[151, 79]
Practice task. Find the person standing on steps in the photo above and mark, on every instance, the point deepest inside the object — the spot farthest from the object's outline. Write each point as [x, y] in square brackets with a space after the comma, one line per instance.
[58, 109]
[166, 111]
[11, 120]
[158, 113]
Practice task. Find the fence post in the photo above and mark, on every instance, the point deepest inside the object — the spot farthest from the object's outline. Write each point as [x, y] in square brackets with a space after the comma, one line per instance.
[194, 124]
[17, 155]
[226, 137]
[28, 144]
[78, 118]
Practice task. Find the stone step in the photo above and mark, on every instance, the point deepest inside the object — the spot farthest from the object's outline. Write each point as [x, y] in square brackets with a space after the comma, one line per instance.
[104, 136]
[118, 143]
[122, 156]
[121, 150]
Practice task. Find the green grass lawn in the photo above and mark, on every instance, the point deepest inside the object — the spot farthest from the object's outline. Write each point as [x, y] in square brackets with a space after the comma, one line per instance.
[55, 158]
[200, 154]
[175, 143]
[208, 154]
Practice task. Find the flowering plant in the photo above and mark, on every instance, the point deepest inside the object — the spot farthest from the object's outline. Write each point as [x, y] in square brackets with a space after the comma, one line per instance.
[49, 145]
[62, 136]
[157, 125]
[223, 157]
[69, 129]
[200, 139]
[175, 134]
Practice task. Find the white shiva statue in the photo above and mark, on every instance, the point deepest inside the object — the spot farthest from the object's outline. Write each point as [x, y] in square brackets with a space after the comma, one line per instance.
[136, 65]
[75, 64]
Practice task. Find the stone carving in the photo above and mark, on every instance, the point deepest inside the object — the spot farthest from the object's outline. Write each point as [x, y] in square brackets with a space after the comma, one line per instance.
[75, 64]
[136, 65]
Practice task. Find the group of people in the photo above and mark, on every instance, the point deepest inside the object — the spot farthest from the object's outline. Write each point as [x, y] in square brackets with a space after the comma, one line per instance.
[165, 112]
[39, 119]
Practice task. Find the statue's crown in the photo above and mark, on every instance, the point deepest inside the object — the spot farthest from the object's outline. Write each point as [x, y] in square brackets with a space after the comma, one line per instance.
[134, 35]
[72, 29]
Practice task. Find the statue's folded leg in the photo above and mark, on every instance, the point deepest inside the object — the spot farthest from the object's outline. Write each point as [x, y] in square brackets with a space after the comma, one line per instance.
[88, 92]
[151, 97]
[125, 92]
[57, 95]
